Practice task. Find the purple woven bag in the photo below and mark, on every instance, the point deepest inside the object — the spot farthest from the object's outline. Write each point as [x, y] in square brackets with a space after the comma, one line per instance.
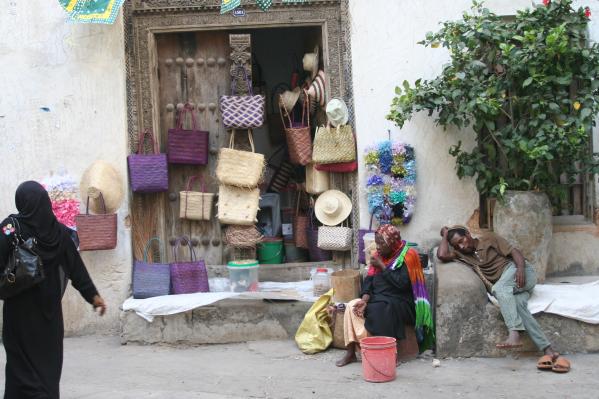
[148, 173]
[188, 277]
[151, 279]
[189, 147]
[242, 112]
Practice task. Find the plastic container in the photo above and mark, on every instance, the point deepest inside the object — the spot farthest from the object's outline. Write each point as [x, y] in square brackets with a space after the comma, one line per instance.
[321, 281]
[379, 358]
[270, 251]
[243, 275]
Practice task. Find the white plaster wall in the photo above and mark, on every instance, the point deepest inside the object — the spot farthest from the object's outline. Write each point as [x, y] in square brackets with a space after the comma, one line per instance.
[385, 52]
[78, 72]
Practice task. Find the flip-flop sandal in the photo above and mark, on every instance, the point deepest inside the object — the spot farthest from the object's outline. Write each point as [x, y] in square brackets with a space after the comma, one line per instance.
[508, 346]
[545, 362]
[561, 365]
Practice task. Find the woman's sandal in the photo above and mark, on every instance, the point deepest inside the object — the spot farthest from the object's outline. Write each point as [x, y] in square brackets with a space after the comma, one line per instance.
[545, 362]
[561, 365]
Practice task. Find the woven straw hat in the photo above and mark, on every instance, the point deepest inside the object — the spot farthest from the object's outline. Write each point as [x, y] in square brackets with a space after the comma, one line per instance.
[102, 177]
[311, 62]
[332, 207]
[337, 112]
[289, 98]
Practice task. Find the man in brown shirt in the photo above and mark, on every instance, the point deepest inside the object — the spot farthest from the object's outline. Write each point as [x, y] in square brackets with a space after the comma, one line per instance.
[509, 277]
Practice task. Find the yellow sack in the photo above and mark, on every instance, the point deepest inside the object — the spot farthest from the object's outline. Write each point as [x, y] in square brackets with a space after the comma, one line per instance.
[314, 334]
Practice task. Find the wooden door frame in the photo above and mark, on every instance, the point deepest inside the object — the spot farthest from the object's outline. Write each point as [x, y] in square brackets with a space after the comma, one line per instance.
[144, 19]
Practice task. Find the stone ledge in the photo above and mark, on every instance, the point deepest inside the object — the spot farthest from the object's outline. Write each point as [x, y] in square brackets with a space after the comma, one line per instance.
[227, 321]
[467, 324]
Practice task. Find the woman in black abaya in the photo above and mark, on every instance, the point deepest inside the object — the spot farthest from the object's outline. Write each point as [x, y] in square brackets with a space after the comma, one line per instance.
[33, 328]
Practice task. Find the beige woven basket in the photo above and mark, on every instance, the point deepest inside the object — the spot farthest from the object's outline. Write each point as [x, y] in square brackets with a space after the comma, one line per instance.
[195, 205]
[317, 181]
[238, 205]
[240, 168]
[334, 144]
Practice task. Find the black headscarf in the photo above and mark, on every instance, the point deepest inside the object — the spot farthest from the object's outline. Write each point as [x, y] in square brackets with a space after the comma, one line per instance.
[36, 217]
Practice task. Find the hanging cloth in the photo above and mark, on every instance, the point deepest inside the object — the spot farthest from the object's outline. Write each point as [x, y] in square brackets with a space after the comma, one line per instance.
[94, 12]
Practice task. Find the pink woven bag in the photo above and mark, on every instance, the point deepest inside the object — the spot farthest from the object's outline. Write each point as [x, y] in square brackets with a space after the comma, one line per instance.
[188, 147]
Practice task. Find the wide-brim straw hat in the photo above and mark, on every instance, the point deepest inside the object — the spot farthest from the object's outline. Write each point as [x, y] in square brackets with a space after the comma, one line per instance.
[332, 207]
[289, 98]
[102, 177]
[337, 112]
[311, 61]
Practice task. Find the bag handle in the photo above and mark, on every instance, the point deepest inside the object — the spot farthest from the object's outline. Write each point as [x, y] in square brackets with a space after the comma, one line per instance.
[188, 186]
[232, 139]
[299, 200]
[305, 111]
[142, 137]
[178, 245]
[160, 247]
[101, 200]
[247, 80]
[181, 117]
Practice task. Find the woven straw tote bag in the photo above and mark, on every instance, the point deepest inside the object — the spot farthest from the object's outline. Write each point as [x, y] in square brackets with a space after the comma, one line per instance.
[301, 224]
[335, 238]
[242, 112]
[195, 205]
[151, 279]
[334, 145]
[188, 147]
[191, 276]
[299, 139]
[238, 205]
[148, 173]
[242, 236]
[96, 232]
[240, 168]
[317, 182]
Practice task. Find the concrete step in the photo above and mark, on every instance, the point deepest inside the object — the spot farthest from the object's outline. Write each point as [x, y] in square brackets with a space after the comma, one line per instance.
[467, 324]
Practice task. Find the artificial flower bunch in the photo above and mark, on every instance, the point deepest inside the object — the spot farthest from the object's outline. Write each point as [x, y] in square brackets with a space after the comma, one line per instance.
[391, 182]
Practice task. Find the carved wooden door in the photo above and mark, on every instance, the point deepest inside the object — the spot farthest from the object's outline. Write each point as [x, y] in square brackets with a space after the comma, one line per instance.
[193, 67]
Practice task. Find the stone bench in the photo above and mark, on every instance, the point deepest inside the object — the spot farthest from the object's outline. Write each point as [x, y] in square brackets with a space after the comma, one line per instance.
[468, 324]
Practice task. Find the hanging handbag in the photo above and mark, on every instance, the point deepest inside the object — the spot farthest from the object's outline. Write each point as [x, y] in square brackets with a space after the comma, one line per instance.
[316, 254]
[151, 279]
[195, 205]
[335, 238]
[317, 182]
[299, 139]
[188, 277]
[301, 223]
[334, 145]
[240, 168]
[188, 147]
[242, 112]
[24, 268]
[238, 205]
[148, 173]
[242, 236]
[96, 232]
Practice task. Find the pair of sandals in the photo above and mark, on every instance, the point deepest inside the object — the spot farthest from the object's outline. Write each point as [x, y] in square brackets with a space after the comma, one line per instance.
[554, 363]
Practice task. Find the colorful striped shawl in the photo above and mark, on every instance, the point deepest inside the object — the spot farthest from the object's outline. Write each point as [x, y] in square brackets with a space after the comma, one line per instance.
[425, 330]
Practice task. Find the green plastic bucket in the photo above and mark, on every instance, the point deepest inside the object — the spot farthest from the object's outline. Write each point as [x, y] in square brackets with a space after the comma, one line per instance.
[270, 251]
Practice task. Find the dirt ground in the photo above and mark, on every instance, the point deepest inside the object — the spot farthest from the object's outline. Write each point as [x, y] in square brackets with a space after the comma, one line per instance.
[101, 368]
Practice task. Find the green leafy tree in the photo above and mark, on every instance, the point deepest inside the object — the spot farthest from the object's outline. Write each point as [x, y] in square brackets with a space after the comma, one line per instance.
[528, 86]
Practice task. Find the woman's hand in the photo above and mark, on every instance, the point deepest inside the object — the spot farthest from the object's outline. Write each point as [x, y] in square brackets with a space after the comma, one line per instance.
[359, 308]
[377, 262]
[99, 305]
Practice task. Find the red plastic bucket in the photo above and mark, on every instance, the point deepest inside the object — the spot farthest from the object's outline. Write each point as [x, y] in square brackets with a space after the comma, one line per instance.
[378, 358]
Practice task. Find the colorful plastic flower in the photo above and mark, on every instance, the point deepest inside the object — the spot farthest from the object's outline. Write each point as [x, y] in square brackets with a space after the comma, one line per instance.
[587, 12]
[546, 2]
[8, 229]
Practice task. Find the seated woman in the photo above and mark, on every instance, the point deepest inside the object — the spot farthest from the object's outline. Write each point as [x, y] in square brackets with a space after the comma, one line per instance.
[393, 296]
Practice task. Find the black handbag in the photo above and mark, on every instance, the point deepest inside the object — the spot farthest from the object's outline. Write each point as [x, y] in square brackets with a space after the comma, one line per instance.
[24, 268]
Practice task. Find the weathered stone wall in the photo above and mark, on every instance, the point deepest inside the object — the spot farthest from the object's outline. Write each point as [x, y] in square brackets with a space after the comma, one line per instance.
[62, 106]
